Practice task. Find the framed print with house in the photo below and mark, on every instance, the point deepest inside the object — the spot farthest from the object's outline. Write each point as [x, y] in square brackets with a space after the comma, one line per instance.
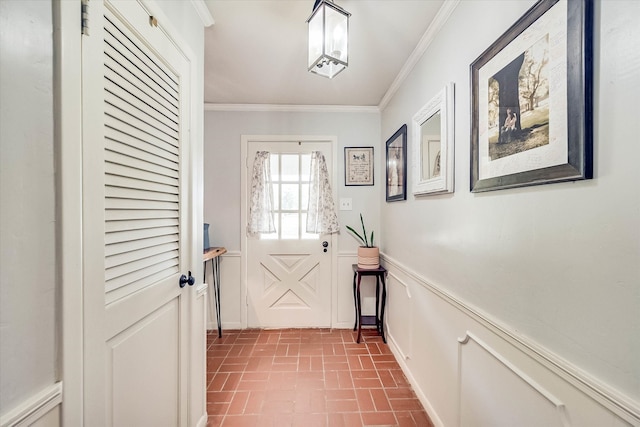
[532, 100]
[358, 166]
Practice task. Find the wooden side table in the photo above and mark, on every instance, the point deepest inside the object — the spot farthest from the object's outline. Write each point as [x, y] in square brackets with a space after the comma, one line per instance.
[378, 319]
[213, 254]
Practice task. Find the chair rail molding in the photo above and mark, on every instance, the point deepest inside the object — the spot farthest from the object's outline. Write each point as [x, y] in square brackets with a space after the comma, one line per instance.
[34, 408]
[559, 406]
[613, 401]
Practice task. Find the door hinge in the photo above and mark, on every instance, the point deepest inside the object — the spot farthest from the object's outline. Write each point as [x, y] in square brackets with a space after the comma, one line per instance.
[84, 17]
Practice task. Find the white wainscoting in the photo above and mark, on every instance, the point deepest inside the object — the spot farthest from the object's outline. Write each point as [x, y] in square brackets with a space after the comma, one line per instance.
[470, 370]
[40, 410]
[231, 298]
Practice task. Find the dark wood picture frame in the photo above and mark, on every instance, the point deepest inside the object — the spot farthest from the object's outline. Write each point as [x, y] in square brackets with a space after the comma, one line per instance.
[396, 166]
[512, 158]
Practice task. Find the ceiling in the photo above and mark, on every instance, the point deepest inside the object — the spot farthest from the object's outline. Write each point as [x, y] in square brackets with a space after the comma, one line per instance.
[256, 52]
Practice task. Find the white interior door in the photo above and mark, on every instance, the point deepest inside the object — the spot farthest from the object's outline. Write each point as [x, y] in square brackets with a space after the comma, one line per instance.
[289, 272]
[135, 220]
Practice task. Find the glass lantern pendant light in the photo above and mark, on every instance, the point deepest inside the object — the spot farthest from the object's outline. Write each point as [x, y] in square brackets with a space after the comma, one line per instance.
[328, 39]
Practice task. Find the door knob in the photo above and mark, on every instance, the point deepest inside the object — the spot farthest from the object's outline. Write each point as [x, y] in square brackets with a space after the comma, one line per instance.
[324, 245]
[184, 280]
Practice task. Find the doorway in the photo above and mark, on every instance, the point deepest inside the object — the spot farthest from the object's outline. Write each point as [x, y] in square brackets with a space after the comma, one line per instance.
[288, 274]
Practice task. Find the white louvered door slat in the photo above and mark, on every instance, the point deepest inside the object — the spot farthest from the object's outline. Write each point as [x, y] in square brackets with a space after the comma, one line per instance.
[123, 248]
[123, 258]
[118, 136]
[125, 102]
[120, 170]
[141, 59]
[141, 205]
[126, 182]
[139, 164]
[129, 193]
[121, 64]
[128, 118]
[115, 71]
[130, 235]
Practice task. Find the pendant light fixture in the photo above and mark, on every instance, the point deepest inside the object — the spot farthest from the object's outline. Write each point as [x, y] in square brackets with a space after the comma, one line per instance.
[328, 39]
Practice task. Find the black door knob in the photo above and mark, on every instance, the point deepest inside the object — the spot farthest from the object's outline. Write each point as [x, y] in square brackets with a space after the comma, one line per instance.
[184, 280]
[325, 244]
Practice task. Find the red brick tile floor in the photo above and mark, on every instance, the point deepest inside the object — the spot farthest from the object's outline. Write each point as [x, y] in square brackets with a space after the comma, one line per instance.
[307, 377]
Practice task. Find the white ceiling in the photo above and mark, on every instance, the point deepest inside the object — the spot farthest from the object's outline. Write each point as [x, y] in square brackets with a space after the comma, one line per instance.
[256, 52]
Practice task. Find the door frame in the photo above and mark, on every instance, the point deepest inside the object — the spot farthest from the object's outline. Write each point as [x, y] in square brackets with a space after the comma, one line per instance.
[67, 87]
[244, 206]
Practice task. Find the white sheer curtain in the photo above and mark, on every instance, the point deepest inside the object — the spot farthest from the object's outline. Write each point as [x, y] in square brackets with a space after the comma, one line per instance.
[261, 198]
[321, 214]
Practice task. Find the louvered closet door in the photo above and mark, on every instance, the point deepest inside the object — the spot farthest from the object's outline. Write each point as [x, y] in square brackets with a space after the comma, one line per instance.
[135, 85]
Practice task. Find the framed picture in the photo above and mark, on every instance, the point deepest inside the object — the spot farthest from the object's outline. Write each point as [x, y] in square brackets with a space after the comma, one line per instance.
[432, 152]
[532, 100]
[397, 165]
[358, 166]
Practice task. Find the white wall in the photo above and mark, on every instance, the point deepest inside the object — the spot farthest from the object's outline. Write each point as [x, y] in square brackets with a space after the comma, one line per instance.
[222, 164]
[555, 265]
[27, 200]
[29, 304]
[223, 130]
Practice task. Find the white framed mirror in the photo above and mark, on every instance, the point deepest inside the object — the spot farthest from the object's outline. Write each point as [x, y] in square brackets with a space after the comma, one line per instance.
[432, 146]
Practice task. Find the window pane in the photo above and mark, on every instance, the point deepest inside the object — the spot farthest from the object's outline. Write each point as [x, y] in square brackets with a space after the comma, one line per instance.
[275, 166]
[289, 226]
[276, 196]
[269, 236]
[289, 167]
[305, 165]
[290, 198]
[305, 235]
[304, 205]
[272, 236]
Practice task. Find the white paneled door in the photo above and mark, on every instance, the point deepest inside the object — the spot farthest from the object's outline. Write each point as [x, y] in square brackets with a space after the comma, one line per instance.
[289, 272]
[135, 220]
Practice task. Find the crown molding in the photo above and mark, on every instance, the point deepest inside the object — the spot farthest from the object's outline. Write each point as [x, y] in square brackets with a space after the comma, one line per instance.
[291, 108]
[434, 28]
[203, 12]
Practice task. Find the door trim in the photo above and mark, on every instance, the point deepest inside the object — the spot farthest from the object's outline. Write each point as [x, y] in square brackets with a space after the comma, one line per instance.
[244, 197]
[68, 152]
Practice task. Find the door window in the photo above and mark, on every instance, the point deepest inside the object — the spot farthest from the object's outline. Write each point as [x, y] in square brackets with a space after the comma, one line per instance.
[290, 180]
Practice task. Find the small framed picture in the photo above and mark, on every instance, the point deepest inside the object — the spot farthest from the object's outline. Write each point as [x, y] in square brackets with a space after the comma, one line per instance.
[397, 165]
[358, 166]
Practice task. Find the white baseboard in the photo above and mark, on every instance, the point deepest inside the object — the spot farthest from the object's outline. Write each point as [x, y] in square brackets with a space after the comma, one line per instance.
[401, 359]
[203, 421]
[34, 408]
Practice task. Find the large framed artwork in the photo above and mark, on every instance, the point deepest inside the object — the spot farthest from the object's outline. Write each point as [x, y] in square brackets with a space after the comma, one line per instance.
[358, 166]
[532, 100]
[397, 165]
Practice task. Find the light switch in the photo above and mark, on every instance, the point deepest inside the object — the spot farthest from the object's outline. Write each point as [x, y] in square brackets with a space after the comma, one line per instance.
[345, 204]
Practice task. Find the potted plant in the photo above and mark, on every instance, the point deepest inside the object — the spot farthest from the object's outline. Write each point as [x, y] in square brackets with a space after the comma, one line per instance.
[368, 254]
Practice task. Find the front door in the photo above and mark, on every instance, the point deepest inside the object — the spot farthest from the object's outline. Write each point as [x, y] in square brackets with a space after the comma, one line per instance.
[289, 272]
[136, 218]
